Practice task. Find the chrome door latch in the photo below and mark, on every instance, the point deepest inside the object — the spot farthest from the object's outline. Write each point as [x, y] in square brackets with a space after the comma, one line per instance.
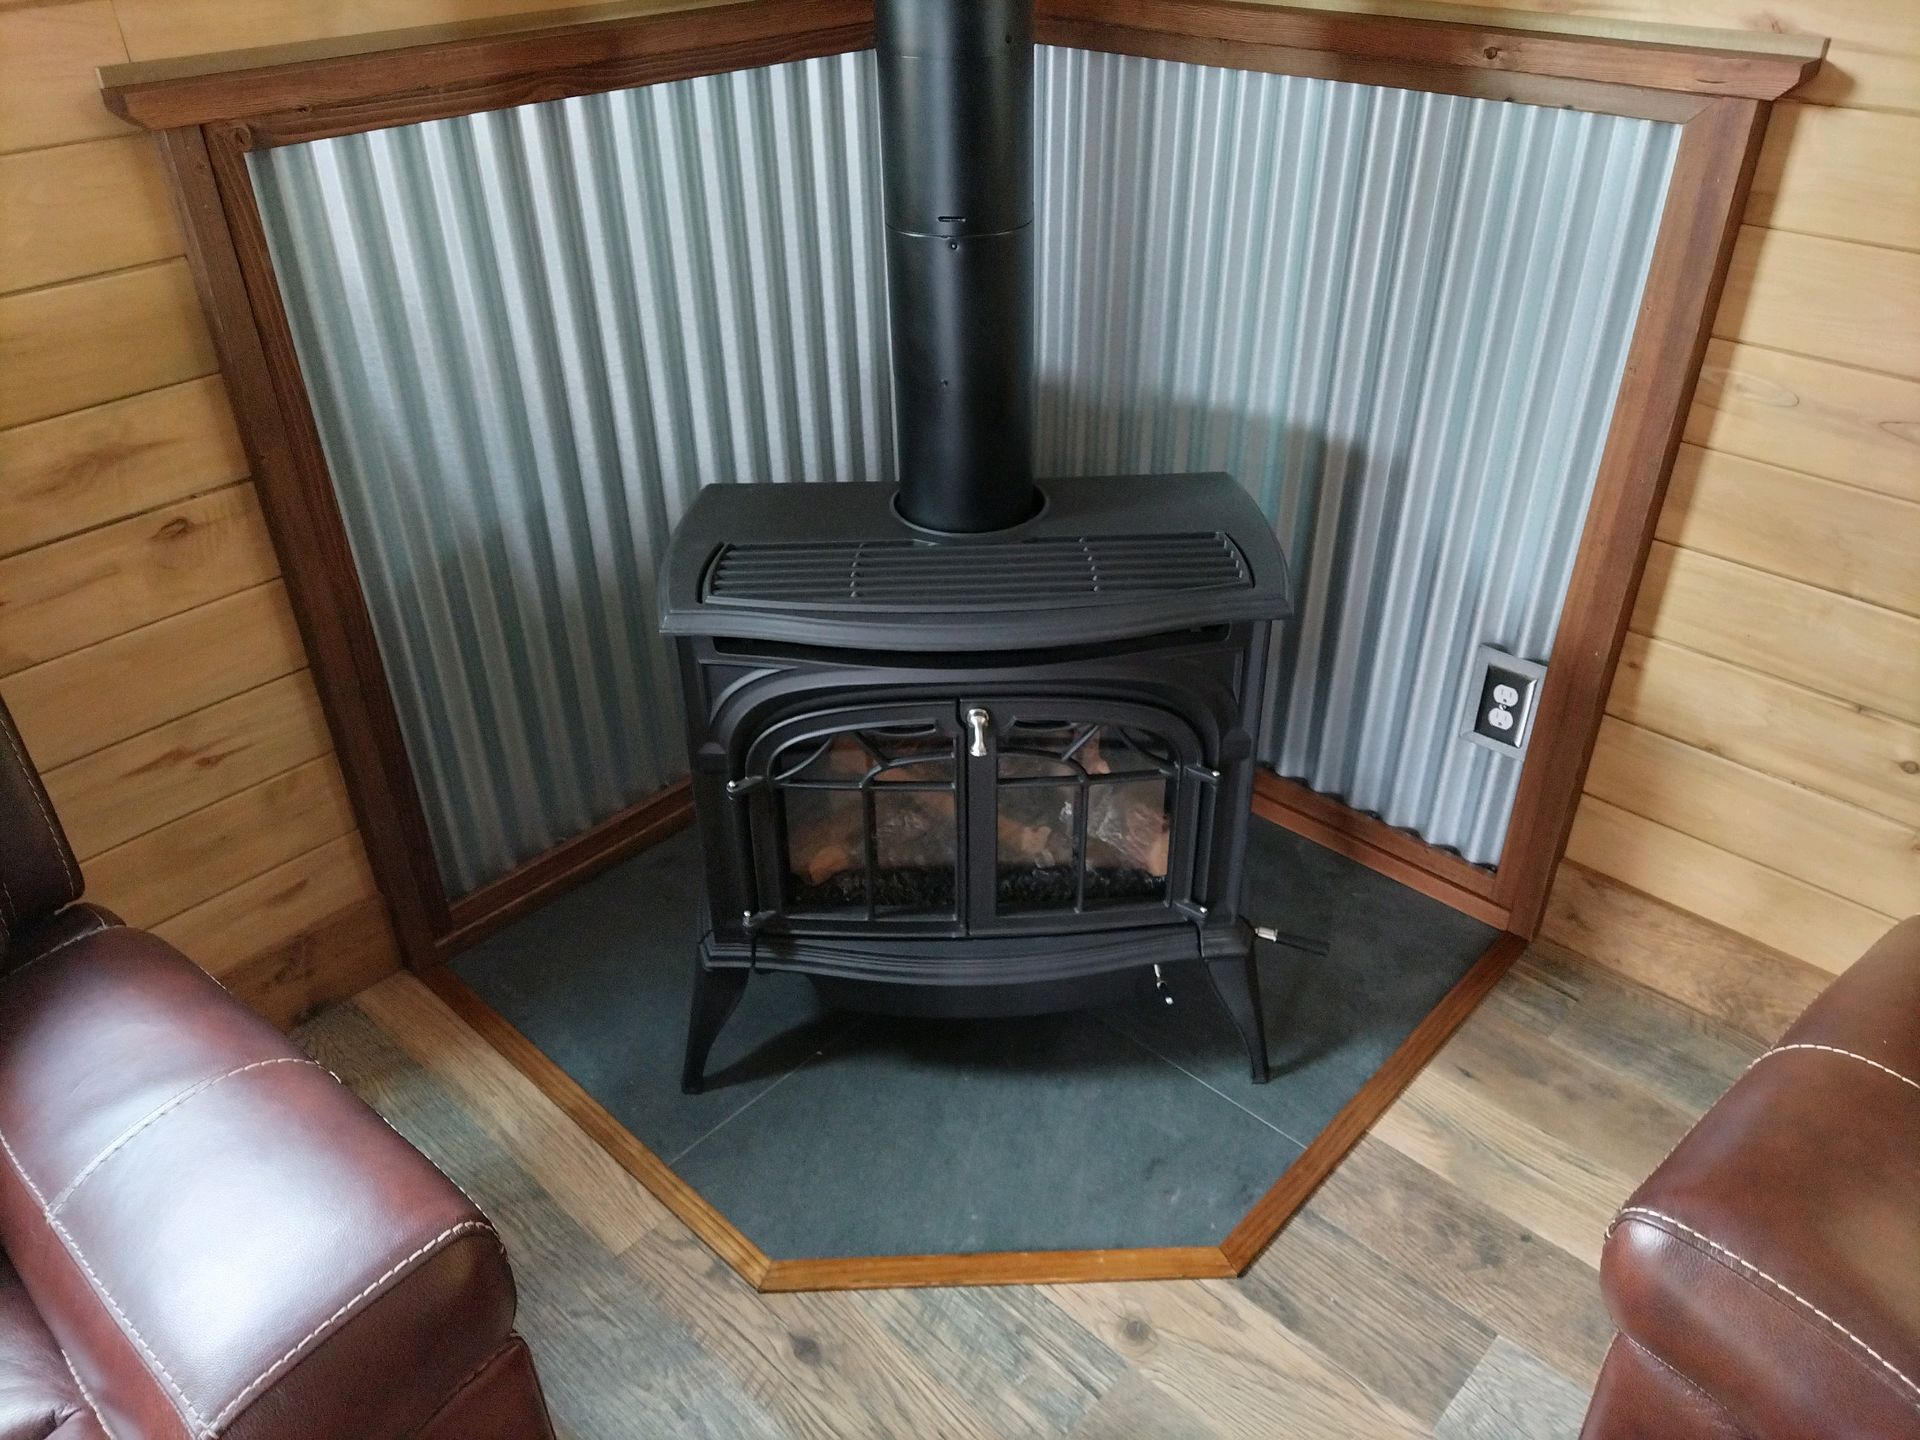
[977, 722]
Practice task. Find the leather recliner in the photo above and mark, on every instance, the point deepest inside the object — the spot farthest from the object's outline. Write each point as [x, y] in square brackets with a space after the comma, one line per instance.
[1766, 1277]
[206, 1234]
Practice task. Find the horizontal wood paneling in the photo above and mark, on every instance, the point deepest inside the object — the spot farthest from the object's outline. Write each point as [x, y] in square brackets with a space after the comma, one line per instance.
[1753, 987]
[1771, 906]
[83, 209]
[89, 698]
[288, 980]
[1845, 174]
[1855, 652]
[236, 928]
[48, 54]
[112, 795]
[190, 860]
[1771, 725]
[1831, 299]
[89, 467]
[1867, 858]
[110, 580]
[1836, 536]
[69, 346]
[161, 29]
[1810, 415]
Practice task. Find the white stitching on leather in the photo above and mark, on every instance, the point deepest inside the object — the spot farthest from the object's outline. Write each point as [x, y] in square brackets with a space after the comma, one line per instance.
[127, 1326]
[1850, 1055]
[272, 1371]
[1784, 1289]
[26, 965]
[33, 788]
[464, 1195]
[86, 1395]
[1717, 1404]
[60, 1200]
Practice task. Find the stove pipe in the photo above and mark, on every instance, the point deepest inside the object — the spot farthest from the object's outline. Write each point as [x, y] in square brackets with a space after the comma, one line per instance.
[956, 112]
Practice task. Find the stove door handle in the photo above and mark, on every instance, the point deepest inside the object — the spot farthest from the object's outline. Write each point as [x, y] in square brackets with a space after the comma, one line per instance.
[977, 722]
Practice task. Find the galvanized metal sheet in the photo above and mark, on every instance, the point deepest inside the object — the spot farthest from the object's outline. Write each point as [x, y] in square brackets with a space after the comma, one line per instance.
[1400, 320]
[530, 335]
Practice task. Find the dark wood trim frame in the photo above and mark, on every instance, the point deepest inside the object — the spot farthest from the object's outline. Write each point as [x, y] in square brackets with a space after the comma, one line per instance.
[627, 833]
[228, 253]
[436, 71]
[1241, 1247]
[1705, 198]
[211, 112]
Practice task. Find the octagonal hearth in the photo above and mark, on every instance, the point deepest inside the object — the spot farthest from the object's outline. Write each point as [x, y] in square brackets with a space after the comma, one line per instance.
[836, 1148]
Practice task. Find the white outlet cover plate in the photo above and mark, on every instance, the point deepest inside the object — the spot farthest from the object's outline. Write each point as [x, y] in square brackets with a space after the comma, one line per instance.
[1490, 657]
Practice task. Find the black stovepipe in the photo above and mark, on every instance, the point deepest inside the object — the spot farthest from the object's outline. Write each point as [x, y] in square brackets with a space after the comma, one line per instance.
[956, 109]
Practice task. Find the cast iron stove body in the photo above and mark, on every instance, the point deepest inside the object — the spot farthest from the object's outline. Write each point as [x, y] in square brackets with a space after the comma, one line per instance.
[994, 775]
[967, 746]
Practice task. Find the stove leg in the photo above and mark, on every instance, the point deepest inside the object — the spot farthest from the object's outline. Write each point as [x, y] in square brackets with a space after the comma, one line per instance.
[715, 994]
[1237, 982]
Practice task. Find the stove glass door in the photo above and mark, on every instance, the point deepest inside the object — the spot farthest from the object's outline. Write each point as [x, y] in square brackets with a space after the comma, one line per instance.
[1083, 809]
[863, 816]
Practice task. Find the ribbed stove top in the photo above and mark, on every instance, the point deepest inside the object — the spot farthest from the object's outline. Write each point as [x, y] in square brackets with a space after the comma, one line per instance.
[1108, 557]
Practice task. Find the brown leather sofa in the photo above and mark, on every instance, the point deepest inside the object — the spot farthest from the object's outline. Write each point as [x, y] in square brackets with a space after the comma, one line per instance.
[206, 1234]
[1766, 1278]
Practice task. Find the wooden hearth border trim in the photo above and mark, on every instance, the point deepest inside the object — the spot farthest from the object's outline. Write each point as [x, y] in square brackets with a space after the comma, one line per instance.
[1242, 1246]
[1270, 1213]
[1398, 854]
[211, 112]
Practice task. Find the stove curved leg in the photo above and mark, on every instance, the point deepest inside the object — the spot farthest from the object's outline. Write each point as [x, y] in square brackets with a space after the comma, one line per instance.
[1236, 981]
[715, 994]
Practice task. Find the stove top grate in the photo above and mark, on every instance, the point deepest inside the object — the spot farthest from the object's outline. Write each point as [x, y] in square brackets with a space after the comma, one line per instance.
[1045, 571]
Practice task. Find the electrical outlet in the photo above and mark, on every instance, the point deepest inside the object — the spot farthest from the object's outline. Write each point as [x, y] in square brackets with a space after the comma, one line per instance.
[1502, 695]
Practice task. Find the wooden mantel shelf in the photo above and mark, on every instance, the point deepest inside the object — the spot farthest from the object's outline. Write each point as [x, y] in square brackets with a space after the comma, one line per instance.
[528, 57]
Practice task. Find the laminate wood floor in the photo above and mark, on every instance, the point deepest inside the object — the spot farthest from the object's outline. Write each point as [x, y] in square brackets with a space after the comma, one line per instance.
[1440, 1283]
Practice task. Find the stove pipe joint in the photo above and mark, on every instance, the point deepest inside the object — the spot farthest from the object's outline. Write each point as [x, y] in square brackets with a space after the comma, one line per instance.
[956, 110]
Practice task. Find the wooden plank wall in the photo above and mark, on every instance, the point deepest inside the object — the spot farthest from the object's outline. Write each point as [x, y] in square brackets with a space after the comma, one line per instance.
[1761, 764]
[146, 646]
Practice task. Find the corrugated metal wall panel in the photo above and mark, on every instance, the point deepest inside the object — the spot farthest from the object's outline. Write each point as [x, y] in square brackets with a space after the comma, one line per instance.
[531, 334]
[1400, 320]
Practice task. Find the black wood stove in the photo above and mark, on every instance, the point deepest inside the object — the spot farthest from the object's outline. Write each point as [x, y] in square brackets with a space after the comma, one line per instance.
[970, 746]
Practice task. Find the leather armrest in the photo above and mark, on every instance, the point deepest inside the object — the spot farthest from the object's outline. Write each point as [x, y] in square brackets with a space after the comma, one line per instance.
[1773, 1260]
[222, 1238]
[57, 931]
